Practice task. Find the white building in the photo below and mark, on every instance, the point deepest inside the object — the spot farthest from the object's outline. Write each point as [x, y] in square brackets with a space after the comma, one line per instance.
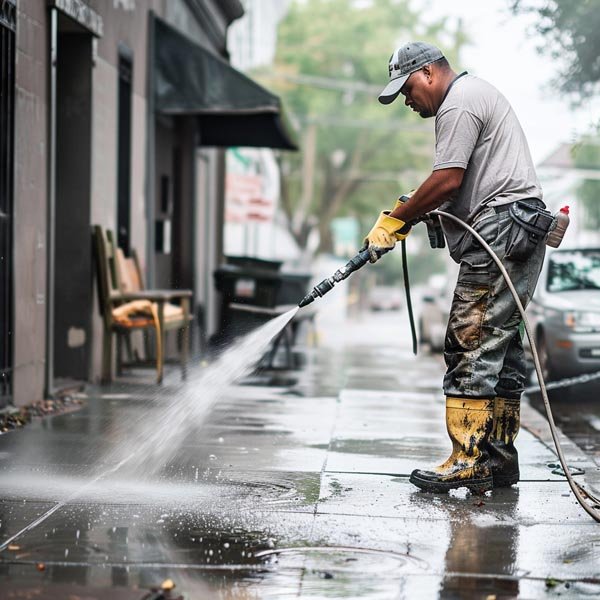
[252, 40]
[560, 178]
[253, 178]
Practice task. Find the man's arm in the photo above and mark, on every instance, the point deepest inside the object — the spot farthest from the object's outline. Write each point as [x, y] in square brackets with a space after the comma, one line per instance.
[433, 192]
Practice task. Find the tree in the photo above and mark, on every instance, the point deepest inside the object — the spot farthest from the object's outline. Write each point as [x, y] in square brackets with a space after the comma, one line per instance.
[570, 30]
[586, 155]
[357, 155]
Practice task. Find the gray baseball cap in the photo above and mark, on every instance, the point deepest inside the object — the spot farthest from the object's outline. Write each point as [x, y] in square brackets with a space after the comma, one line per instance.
[406, 60]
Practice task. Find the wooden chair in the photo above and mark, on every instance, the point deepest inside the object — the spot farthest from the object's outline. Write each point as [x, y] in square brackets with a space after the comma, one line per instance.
[127, 307]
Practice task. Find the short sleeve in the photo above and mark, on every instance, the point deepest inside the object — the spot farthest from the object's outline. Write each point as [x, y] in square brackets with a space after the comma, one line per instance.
[456, 133]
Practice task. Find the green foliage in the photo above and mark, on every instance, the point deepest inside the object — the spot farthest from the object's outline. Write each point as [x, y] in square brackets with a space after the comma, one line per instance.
[330, 65]
[586, 155]
[570, 29]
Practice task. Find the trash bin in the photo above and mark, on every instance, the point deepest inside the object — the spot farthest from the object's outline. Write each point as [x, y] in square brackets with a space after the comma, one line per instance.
[249, 281]
[293, 287]
[256, 282]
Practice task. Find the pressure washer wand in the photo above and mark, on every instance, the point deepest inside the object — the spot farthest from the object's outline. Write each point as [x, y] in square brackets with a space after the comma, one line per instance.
[360, 260]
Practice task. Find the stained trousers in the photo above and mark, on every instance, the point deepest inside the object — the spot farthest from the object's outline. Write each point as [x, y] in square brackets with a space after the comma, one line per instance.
[483, 349]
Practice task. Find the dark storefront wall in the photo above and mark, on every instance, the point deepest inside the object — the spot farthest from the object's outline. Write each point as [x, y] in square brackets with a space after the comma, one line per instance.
[165, 186]
[185, 205]
[72, 246]
[174, 202]
[7, 113]
[124, 108]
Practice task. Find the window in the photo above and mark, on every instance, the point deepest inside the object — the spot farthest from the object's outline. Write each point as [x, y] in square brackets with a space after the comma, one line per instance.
[574, 270]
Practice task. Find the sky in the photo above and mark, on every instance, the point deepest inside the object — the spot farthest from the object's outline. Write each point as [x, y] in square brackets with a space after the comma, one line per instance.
[503, 52]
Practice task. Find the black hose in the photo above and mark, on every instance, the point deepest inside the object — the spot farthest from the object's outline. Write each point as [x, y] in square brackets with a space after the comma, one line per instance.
[409, 307]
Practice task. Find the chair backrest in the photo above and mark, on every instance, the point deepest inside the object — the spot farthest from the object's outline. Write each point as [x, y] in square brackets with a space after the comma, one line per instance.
[138, 267]
[108, 277]
[128, 273]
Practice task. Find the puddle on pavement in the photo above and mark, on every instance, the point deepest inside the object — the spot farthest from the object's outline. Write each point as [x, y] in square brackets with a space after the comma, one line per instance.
[230, 562]
[345, 572]
[118, 547]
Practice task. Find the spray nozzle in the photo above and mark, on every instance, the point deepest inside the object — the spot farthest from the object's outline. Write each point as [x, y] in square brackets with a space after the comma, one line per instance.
[355, 263]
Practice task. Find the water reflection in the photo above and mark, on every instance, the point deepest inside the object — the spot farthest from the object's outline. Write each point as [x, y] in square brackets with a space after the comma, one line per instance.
[480, 548]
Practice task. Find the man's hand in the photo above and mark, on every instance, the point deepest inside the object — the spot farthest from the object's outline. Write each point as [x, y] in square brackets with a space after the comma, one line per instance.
[384, 235]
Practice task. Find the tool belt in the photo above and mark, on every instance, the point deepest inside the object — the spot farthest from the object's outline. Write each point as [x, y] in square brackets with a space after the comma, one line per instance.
[434, 231]
[530, 226]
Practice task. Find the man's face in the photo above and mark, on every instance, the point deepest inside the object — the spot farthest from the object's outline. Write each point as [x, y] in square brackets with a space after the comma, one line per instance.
[418, 94]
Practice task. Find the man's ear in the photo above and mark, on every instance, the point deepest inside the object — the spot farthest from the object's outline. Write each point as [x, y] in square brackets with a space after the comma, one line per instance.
[427, 71]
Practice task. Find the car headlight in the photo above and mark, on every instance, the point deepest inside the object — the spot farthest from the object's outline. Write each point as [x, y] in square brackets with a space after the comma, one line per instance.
[582, 321]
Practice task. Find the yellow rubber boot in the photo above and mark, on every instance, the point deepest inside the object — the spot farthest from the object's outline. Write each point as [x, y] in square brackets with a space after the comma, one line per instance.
[469, 424]
[504, 458]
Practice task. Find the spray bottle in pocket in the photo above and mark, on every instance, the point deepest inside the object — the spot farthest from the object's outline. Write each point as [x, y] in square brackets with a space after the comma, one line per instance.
[558, 228]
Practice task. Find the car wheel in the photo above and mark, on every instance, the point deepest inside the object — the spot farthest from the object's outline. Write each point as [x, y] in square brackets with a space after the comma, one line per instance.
[545, 363]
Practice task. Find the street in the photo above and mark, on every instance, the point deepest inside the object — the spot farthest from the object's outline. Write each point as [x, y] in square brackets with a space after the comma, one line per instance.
[295, 486]
[209, 387]
[577, 413]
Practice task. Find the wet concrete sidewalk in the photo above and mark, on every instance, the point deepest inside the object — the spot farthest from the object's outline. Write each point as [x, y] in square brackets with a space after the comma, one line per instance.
[294, 489]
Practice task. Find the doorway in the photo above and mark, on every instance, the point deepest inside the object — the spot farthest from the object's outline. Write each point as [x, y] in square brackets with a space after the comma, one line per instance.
[7, 111]
[72, 269]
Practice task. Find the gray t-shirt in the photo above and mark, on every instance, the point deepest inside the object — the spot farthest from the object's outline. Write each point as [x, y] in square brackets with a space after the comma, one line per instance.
[477, 130]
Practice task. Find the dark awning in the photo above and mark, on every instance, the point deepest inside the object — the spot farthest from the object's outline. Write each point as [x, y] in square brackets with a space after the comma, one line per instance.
[232, 109]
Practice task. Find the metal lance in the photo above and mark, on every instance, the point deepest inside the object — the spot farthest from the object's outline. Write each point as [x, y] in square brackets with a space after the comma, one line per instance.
[360, 260]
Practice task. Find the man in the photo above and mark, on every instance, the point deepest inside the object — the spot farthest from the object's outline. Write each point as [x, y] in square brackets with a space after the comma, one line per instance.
[482, 167]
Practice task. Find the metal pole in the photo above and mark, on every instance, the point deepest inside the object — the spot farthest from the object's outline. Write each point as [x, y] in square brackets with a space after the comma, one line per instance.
[51, 208]
[150, 158]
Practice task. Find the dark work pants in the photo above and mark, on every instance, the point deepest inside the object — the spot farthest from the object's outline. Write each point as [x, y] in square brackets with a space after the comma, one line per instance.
[483, 347]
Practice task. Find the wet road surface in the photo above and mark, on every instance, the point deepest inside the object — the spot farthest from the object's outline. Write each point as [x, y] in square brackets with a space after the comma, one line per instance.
[296, 489]
[577, 413]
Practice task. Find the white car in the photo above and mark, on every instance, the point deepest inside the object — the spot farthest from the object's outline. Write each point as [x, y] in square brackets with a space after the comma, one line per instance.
[385, 297]
[435, 308]
[565, 313]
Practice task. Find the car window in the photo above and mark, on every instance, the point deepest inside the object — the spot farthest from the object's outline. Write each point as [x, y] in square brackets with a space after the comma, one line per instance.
[574, 270]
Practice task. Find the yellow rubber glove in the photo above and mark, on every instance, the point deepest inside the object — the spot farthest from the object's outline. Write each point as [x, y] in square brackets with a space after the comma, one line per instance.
[384, 235]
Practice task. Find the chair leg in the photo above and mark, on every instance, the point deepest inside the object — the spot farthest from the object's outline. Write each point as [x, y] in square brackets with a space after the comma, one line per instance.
[185, 338]
[148, 355]
[185, 349]
[107, 356]
[119, 354]
[129, 347]
[160, 344]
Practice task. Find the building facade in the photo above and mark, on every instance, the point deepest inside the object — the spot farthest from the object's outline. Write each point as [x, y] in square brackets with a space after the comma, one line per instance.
[254, 225]
[122, 110]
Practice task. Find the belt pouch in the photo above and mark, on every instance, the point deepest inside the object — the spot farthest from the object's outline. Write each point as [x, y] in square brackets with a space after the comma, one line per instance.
[530, 226]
